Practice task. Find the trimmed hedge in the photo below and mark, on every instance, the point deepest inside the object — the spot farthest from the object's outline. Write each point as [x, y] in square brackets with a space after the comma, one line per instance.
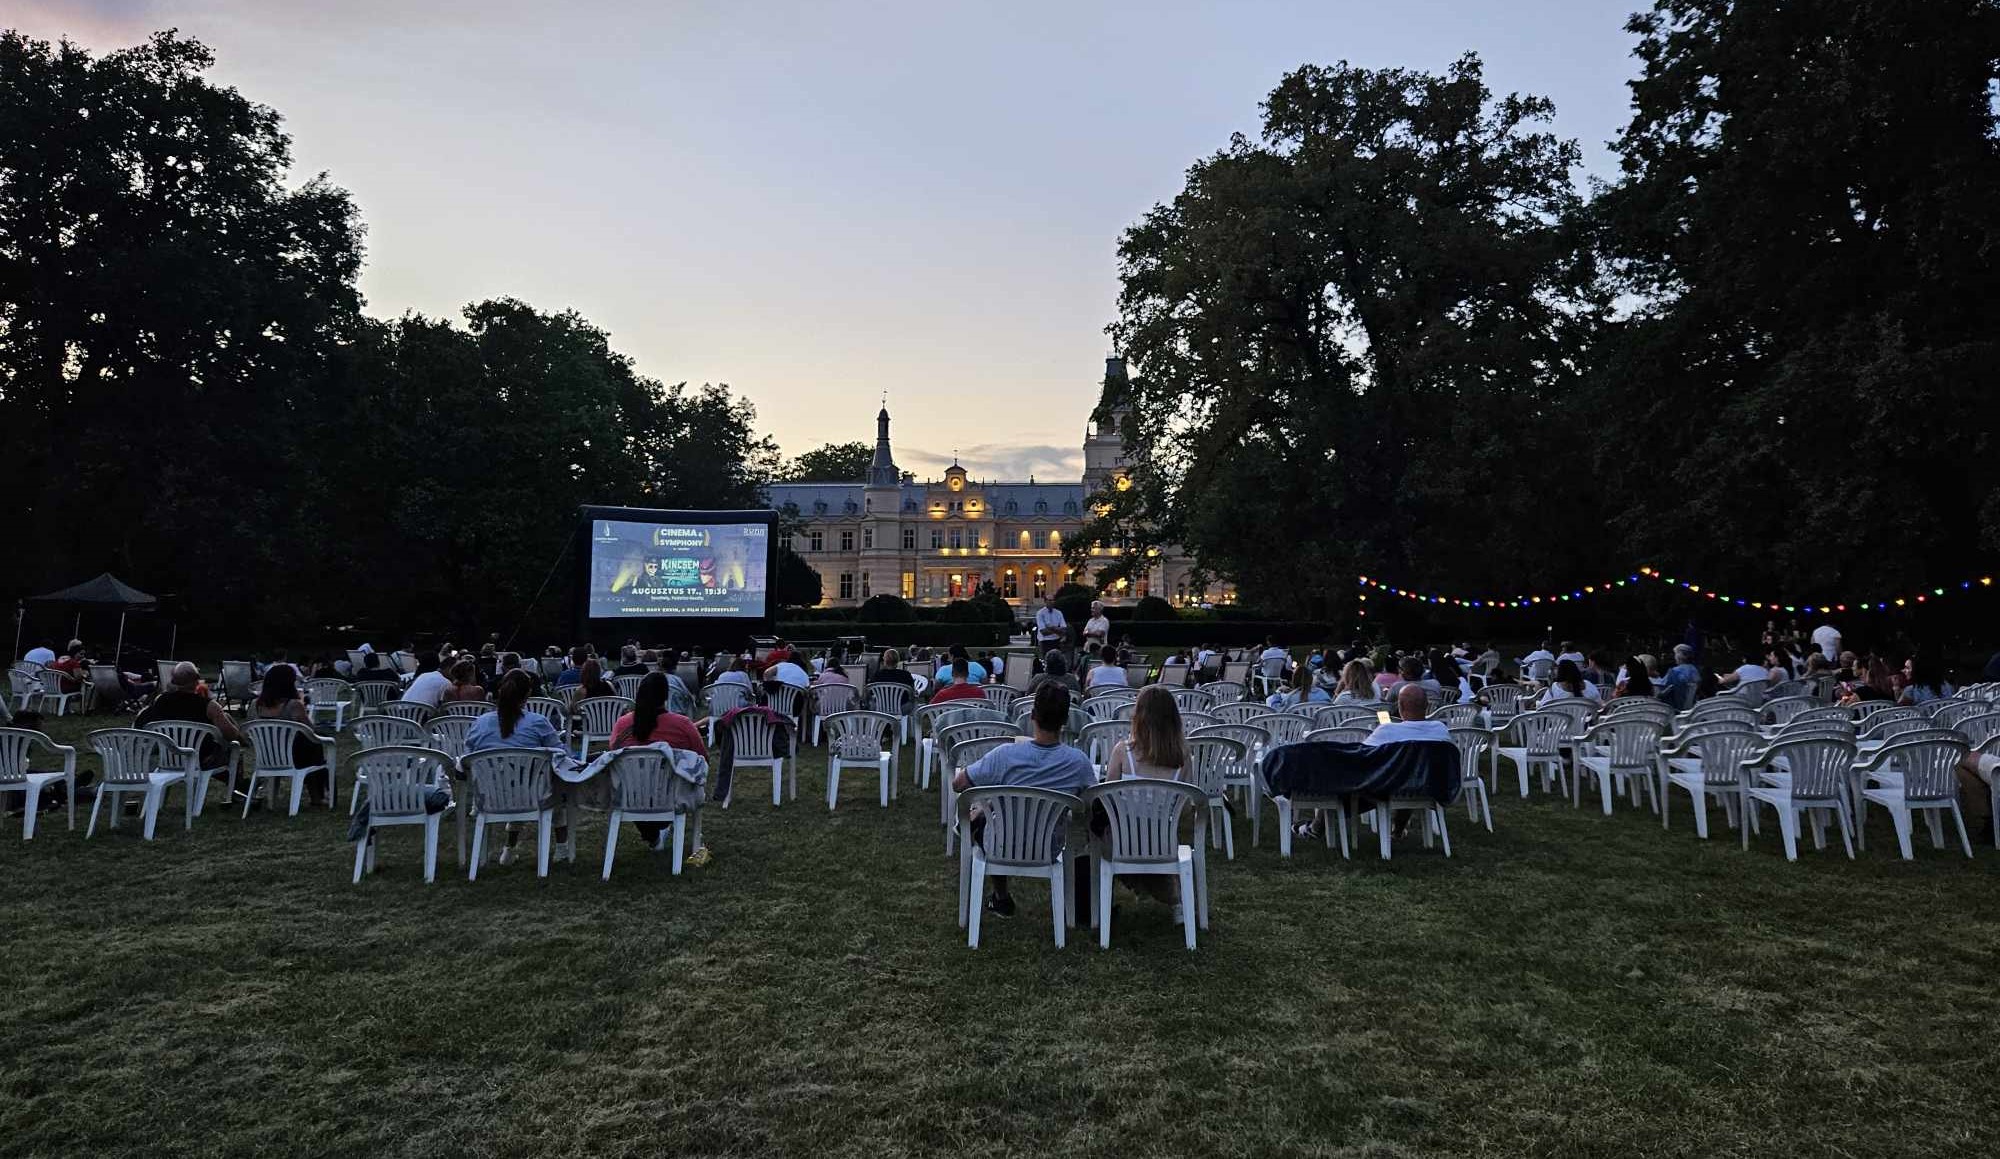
[984, 635]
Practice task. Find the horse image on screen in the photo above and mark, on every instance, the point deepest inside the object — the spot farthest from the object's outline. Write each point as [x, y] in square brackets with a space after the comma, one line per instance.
[648, 569]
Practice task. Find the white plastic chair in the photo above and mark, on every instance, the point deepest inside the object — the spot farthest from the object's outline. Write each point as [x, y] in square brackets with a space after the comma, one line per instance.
[510, 785]
[861, 737]
[645, 788]
[595, 718]
[722, 700]
[469, 709]
[189, 734]
[1630, 756]
[1192, 699]
[25, 687]
[1472, 741]
[1218, 764]
[1143, 837]
[1536, 742]
[371, 695]
[415, 712]
[271, 748]
[628, 686]
[961, 754]
[326, 696]
[1718, 749]
[894, 699]
[557, 711]
[17, 749]
[53, 694]
[376, 732]
[1503, 702]
[1913, 776]
[1098, 739]
[1023, 836]
[752, 740]
[828, 699]
[1808, 774]
[141, 761]
[399, 780]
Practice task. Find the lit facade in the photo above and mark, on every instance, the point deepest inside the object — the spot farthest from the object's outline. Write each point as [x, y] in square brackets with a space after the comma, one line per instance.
[936, 541]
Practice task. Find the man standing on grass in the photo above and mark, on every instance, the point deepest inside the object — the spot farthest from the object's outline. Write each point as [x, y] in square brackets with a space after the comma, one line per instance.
[1051, 629]
[1041, 763]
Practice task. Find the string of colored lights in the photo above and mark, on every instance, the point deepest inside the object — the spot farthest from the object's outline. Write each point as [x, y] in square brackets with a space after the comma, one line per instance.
[1589, 591]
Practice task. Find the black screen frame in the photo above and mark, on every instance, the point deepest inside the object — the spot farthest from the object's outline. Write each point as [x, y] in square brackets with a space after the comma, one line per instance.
[675, 631]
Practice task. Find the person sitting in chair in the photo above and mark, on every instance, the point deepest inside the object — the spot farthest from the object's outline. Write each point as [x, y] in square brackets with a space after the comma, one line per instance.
[1043, 762]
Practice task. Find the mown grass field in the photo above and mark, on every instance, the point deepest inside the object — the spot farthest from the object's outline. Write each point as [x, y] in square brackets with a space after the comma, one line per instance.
[1570, 984]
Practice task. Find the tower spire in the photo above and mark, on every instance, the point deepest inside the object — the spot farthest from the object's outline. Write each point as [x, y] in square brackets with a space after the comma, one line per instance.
[882, 470]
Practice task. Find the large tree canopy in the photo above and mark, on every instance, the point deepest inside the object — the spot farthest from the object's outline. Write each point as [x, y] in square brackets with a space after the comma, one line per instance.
[832, 463]
[190, 395]
[1809, 221]
[1358, 329]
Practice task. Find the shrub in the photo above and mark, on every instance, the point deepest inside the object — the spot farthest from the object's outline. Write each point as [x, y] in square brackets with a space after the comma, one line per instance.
[1153, 608]
[886, 609]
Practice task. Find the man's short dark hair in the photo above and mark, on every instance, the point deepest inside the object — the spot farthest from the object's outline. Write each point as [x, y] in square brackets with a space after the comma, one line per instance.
[961, 669]
[1051, 707]
[957, 652]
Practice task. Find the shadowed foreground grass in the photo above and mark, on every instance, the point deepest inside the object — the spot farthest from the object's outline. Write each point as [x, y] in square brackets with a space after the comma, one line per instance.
[1569, 984]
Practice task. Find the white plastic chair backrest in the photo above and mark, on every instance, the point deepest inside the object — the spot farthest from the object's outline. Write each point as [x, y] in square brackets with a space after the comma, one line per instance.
[999, 695]
[1786, 689]
[964, 753]
[1282, 727]
[131, 754]
[509, 780]
[782, 699]
[1721, 747]
[447, 734]
[752, 736]
[1929, 766]
[889, 697]
[1457, 715]
[1194, 720]
[1781, 710]
[1818, 766]
[1627, 707]
[1339, 715]
[1503, 699]
[377, 732]
[861, 734]
[1225, 691]
[954, 734]
[1633, 743]
[600, 714]
[1144, 816]
[1881, 729]
[1471, 741]
[642, 781]
[413, 711]
[1192, 699]
[51, 681]
[356, 659]
[400, 777]
[1252, 737]
[1341, 734]
[1826, 713]
[468, 709]
[1954, 711]
[1577, 710]
[188, 734]
[1100, 735]
[1240, 711]
[19, 681]
[271, 741]
[1542, 732]
[1211, 759]
[1024, 826]
[567, 694]
[374, 693]
[831, 698]
[1862, 710]
[552, 667]
[15, 745]
[1541, 671]
[326, 690]
[556, 710]
[1979, 729]
[628, 686]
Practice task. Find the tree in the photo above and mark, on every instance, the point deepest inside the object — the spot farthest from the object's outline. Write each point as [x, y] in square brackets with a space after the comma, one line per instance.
[166, 305]
[886, 609]
[1806, 223]
[796, 584]
[832, 463]
[1357, 328]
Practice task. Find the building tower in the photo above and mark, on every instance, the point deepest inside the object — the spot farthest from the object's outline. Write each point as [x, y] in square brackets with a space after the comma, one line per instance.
[1104, 442]
[881, 512]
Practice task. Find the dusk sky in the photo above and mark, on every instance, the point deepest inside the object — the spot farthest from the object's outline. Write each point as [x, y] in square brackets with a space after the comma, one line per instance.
[818, 203]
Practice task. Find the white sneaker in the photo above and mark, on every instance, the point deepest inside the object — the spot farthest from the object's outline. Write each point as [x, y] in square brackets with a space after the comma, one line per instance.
[506, 855]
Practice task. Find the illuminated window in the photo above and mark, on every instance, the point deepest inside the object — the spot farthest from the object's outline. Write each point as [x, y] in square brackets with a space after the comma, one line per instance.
[864, 585]
[815, 541]
[1009, 585]
[909, 585]
[1041, 583]
[957, 588]
[909, 539]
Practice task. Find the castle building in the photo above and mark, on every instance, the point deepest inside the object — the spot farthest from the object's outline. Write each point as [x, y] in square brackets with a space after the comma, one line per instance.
[935, 541]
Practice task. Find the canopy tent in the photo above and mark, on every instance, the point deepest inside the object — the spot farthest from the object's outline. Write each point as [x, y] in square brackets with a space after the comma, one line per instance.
[105, 593]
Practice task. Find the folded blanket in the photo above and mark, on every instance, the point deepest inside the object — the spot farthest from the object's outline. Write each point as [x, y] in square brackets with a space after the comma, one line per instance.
[1417, 768]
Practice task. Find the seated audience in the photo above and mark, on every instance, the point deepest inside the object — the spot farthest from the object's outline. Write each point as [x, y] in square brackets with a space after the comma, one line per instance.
[279, 699]
[1635, 682]
[1923, 680]
[1750, 672]
[961, 686]
[373, 670]
[184, 700]
[787, 671]
[1446, 675]
[1412, 708]
[590, 679]
[429, 685]
[1106, 675]
[1874, 683]
[465, 684]
[1569, 684]
[629, 663]
[1303, 690]
[1357, 684]
[1043, 762]
[650, 722]
[889, 670]
[513, 726]
[1055, 670]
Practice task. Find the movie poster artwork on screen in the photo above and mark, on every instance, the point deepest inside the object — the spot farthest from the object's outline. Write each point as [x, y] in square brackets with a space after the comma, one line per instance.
[647, 569]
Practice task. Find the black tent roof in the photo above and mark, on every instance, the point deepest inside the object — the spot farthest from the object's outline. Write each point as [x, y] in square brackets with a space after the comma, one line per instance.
[106, 591]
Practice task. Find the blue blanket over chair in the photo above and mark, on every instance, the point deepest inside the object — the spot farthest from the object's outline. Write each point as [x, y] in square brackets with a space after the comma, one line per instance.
[1315, 769]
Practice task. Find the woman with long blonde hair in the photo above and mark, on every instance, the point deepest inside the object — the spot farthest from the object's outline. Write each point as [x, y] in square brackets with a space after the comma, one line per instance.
[1357, 684]
[1156, 746]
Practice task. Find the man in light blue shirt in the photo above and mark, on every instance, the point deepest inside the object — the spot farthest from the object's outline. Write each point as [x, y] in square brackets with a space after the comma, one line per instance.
[1041, 763]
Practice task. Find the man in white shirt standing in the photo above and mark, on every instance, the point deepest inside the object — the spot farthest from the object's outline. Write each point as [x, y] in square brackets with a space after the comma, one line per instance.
[1826, 638]
[1097, 629]
[1051, 629]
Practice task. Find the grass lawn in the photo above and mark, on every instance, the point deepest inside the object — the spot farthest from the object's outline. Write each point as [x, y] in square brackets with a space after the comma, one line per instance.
[1570, 984]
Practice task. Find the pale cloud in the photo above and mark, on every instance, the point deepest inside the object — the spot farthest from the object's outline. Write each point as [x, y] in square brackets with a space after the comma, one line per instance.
[1001, 462]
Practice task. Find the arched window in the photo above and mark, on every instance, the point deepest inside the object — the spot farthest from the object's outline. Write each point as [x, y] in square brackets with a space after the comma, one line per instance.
[1069, 507]
[1041, 582]
[1009, 585]
[1041, 507]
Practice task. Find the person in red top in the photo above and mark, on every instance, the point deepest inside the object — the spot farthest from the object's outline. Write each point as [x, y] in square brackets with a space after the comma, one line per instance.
[649, 722]
[961, 686]
[72, 666]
